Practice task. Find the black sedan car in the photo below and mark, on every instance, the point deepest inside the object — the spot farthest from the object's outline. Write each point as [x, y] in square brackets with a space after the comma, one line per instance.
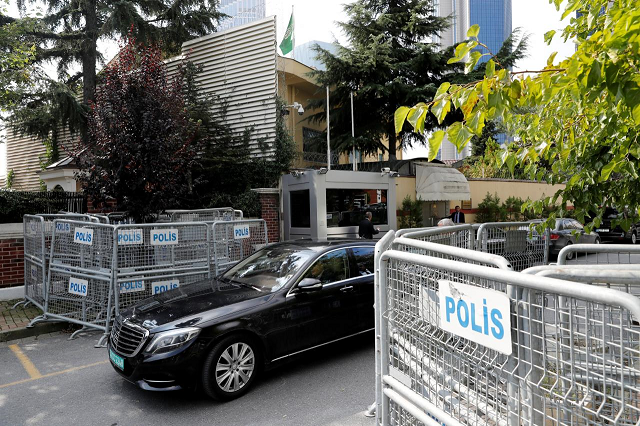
[285, 299]
[566, 232]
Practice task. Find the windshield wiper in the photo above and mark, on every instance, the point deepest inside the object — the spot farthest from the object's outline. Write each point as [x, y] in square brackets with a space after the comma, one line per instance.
[230, 281]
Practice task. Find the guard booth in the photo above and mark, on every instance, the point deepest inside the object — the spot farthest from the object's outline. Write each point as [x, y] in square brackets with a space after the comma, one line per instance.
[436, 186]
[331, 203]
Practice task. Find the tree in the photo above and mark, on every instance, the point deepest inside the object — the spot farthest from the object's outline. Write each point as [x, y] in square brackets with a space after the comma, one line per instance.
[576, 120]
[141, 144]
[490, 131]
[389, 62]
[67, 35]
[410, 213]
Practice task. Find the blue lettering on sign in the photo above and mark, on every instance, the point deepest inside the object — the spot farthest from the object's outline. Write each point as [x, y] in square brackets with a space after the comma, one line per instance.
[462, 311]
[63, 227]
[78, 286]
[162, 286]
[132, 286]
[83, 236]
[241, 231]
[164, 236]
[130, 236]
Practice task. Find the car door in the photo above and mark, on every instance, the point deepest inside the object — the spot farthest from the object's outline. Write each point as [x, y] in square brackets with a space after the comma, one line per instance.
[319, 315]
[359, 291]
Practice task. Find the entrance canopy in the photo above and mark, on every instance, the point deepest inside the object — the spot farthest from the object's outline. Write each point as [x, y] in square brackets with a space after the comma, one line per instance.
[438, 182]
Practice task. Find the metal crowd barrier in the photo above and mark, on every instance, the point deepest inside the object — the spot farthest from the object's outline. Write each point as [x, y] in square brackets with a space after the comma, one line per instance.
[37, 233]
[96, 269]
[516, 242]
[233, 241]
[152, 258]
[207, 215]
[599, 254]
[499, 347]
[457, 236]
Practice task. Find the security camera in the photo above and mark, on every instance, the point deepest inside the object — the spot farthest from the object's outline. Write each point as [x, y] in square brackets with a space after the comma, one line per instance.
[394, 174]
[385, 170]
[298, 107]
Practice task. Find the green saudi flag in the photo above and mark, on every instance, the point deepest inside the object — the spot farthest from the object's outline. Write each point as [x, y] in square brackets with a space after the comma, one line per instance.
[287, 42]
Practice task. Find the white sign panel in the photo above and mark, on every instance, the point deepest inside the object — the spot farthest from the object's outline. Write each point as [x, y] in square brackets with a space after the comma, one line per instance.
[477, 314]
[132, 286]
[63, 227]
[162, 286]
[78, 286]
[130, 236]
[164, 237]
[241, 231]
[34, 273]
[83, 236]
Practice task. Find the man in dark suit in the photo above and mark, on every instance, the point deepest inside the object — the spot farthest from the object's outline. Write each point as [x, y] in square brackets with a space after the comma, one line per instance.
[366, 229]
[457, 216]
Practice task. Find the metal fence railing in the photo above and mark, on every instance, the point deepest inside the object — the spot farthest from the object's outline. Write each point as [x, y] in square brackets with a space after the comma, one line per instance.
[233, 241]
[599, 254]
[19, 203]
[516, 242]
[206, 215]
[463, 236]
[461, 343]
[91, 270]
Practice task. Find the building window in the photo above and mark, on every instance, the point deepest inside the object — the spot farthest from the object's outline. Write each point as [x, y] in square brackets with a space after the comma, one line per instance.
[312, 149]
[300, 210]
[347, 207]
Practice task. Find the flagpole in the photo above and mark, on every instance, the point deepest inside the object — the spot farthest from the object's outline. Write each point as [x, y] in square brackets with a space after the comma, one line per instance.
[328, 134]
[293, 38]
[353, 135]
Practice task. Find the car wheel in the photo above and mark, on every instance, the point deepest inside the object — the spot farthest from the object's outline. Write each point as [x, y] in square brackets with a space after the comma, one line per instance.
[634, 238]
[597, 241]
[570, 255]
[230, 368]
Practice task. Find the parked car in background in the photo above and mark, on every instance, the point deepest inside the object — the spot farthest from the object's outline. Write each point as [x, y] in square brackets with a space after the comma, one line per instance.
[615, 234]
[566, 232]
[218, 334]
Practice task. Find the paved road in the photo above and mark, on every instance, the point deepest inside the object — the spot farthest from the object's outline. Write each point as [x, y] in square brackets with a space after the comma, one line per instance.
[53, 381]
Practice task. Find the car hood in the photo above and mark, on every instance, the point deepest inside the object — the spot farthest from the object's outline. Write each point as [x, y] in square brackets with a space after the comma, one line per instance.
[194, 304]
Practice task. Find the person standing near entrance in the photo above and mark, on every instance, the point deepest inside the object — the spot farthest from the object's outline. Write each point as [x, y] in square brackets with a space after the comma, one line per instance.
[366, 229]
[457, 216]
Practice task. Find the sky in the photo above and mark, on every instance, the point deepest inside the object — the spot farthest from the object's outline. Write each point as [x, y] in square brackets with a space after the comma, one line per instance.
[316, 21]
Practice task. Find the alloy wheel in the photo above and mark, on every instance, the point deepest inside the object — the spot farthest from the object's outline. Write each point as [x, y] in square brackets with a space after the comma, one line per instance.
[235, 366]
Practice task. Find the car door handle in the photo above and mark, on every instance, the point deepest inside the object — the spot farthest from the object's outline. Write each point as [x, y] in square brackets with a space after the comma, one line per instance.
[347, 288]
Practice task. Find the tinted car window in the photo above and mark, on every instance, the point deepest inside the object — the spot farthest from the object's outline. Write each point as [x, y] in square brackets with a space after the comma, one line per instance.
[577, 225]
[364, 260]
[331, 267]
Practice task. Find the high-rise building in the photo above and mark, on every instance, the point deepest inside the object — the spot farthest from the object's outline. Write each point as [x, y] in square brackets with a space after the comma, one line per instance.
[494, 18]
[241, 12]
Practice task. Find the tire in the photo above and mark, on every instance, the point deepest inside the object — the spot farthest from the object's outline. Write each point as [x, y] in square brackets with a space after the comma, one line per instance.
[634, 238]
[231, 368]
[571, 255]
[597, 241]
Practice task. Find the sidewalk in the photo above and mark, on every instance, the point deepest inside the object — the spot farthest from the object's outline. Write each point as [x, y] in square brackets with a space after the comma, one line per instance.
[13, 322]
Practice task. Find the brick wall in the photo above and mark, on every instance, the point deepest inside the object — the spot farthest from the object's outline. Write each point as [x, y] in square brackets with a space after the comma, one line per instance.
[11, 262]
[270, 203]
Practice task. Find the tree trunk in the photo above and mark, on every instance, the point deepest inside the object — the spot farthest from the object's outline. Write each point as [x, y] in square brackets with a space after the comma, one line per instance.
[89, 52]
[392, 147]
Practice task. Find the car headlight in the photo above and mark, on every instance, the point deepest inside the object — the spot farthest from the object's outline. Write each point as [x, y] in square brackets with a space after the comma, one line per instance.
[172, 339]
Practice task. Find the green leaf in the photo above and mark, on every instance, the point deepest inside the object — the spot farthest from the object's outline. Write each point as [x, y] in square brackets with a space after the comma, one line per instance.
[608, 169]
[399, 117]
[593, 79]
[472, 62]
[551, 58]
[440, 109]
[635, 112]
[490, 70]
[435, 140]
[461, 51]
[476, 122]
[442, 89]
[473, 31]
[459, 135]
[548, 36]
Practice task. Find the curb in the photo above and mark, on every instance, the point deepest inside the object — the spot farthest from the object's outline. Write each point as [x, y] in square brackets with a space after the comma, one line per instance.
[38, 329]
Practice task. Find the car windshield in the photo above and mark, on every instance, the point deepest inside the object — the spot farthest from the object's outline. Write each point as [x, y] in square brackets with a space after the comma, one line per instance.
[270, 268]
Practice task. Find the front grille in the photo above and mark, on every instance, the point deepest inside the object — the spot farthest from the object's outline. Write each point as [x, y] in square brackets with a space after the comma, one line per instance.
[127, 338]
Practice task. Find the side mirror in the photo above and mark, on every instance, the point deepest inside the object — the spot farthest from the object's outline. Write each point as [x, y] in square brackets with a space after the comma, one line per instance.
[309, 284]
